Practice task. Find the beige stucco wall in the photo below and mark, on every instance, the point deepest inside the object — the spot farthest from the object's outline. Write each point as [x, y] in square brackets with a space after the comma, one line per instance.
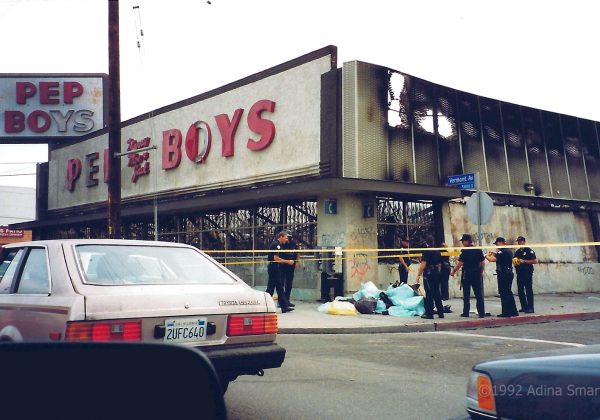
[560, 268]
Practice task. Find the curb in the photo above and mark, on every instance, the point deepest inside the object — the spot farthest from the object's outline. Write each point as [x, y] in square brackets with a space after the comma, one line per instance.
[521, 319]
[405, 328]
[446, 326]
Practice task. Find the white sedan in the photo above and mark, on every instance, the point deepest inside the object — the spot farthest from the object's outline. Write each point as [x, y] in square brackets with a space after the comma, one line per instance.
[123, 290]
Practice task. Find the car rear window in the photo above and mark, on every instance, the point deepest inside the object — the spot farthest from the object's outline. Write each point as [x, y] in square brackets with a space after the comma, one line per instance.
[134, 264]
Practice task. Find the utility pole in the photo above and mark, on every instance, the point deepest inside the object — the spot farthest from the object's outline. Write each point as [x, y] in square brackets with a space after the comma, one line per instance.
[114, 122]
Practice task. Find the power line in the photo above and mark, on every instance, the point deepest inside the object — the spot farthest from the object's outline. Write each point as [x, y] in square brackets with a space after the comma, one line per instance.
[21, 163]
[1, 175]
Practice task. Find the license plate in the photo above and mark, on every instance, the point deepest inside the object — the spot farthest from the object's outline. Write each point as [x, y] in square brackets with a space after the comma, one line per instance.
[183, 330]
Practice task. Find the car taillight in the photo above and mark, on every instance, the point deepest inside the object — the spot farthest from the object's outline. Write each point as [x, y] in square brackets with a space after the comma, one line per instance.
[104, 331]
[250, 324]
[480, 393]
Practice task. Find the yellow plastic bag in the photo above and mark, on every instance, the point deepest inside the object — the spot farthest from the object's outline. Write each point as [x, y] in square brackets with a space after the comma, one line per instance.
[341, 308]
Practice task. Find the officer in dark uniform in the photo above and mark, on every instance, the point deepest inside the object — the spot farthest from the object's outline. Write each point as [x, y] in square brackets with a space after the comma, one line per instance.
[274, 269]
[504, 271]
[445, 273]
[472, 262]
[524, 259]
[287, 271]
[404, 266]
[431, 263]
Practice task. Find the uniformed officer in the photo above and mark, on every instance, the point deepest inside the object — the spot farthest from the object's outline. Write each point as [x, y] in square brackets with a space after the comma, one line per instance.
[287, 271]
[431, 262]
[504, 271]
[275, 275]
[524, 259]
[472, 262]
[445, 273]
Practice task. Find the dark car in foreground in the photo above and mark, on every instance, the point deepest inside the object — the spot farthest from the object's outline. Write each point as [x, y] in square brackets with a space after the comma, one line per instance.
[556, 384]
[137, 291]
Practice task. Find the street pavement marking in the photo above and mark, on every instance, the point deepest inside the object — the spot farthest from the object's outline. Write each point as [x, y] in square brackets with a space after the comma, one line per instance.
[531, 340]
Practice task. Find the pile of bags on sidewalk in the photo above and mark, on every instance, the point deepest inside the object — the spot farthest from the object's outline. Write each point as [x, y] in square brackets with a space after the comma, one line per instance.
[395, 301]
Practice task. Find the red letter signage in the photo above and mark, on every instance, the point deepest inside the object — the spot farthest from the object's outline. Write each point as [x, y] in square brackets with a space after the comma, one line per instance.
[265, 128]
[171, 149]
[227, 129]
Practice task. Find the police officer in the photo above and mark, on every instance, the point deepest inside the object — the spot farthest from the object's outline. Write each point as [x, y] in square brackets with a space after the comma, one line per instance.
[504, 271]
[287, 271]
[275, 274]
[473, 261]
[445, 273]
[524, 259]
[431, 262]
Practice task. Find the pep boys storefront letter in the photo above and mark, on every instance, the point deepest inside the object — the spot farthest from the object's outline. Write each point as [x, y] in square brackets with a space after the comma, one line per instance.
[172, 139]
[197, 145]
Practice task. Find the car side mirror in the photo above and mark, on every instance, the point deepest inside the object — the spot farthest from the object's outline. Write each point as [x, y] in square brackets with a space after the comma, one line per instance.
[71, 381]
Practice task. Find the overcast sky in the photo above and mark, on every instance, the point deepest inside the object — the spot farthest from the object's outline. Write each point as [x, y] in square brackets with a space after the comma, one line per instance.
[542, 54]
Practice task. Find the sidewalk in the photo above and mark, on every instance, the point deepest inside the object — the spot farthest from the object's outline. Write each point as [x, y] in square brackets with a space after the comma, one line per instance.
[306, 319]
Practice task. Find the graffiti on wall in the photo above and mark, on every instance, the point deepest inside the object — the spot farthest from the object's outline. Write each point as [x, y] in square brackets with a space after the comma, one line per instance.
[362, 235]
[333, 239]
[360, 265]
[586, 270]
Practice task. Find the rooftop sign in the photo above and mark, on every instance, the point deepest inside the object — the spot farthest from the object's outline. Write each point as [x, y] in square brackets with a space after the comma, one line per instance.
[36, 107]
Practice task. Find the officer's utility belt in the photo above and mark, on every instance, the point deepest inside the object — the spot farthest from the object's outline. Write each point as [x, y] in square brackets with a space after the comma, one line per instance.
[433, 269]
[503, 269]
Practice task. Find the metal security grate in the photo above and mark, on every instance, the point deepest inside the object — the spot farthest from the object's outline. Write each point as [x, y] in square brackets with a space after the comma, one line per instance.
[397, 219]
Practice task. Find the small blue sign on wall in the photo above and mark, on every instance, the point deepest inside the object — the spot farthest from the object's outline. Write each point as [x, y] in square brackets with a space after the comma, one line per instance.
[330, 206]
[464, 181]
[368, 210]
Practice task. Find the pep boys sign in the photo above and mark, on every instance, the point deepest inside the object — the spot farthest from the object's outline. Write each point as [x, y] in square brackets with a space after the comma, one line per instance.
[51, 106]
[195, 145]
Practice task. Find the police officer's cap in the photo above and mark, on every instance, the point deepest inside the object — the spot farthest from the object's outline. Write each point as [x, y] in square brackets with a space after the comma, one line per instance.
[520, 238]
[466, 237]
[499, 239]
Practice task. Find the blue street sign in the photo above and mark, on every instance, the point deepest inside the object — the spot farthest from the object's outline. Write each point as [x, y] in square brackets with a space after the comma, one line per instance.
[464, 181]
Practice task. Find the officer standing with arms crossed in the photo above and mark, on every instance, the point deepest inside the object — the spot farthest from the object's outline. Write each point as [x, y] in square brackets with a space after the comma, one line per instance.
[524, 259]
[504, 271]
[274, 270]
[430, 267]
[473, 262]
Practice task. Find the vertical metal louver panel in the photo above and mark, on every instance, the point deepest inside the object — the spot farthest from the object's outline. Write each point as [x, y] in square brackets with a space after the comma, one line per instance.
[556, 155]
[426, 156]
[401, 166]
[401, 155]
[470, 136]
[536, 151]
[349, 136]
[493, 139]
[591, 154]
[515, 148]
[371, 127]
[365, 136]
[447, 133]
[574, 155]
